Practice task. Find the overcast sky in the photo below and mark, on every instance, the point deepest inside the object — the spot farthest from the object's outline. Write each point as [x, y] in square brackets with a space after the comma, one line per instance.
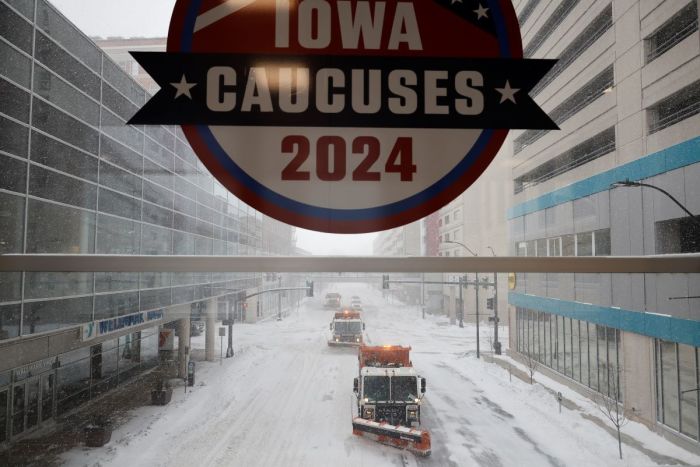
[127, 18]
[151, 18]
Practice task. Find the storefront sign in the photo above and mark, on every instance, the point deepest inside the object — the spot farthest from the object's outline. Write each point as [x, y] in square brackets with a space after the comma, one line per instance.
[34, 368]
[345, 116]
[108, 326]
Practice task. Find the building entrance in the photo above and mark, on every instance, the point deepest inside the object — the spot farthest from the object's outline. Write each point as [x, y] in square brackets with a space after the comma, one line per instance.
[32, 404]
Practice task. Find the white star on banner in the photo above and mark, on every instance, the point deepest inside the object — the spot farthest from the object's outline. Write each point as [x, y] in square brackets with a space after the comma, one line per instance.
[183, 87]
[481, 12]
[507, 93]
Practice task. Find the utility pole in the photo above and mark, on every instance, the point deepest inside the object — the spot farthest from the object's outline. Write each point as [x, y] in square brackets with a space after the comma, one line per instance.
[477, 295]
[279, 300]
[477, 315]
[422, 293]
[496, 343]
[229, 319]
[462, 283]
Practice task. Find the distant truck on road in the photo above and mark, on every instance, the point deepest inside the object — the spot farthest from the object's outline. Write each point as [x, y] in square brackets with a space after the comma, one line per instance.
[346, 329]
[332, 300]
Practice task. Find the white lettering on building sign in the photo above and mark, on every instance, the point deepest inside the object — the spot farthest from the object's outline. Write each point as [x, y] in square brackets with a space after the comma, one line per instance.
[103, 327]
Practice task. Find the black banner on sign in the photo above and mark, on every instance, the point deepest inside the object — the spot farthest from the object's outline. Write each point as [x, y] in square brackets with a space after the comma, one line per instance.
[348, 91]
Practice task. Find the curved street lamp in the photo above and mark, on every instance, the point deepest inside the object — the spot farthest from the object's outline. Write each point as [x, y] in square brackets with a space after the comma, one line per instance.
[629, 182]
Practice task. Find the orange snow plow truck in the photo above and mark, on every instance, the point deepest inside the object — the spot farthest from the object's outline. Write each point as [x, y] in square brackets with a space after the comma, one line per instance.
[389, 394]
[346, 329]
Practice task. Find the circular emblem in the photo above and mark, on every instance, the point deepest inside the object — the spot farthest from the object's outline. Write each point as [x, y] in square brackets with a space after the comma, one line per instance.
[345, 116]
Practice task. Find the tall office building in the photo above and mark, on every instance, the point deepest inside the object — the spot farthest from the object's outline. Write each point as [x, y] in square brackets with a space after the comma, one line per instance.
[626, 95]
[76, 179]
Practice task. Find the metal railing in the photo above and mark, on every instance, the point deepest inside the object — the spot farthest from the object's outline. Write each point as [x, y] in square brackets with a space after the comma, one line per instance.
[684, 263]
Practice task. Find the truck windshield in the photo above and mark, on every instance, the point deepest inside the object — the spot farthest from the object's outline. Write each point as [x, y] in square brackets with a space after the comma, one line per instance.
[377, 388]
[404, 388]
[344, 327]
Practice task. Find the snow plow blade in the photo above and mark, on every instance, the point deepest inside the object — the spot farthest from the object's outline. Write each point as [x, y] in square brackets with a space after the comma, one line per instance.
[416, 441]
[343, 344]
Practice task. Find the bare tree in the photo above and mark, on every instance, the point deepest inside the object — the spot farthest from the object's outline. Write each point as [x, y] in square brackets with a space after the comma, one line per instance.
[611, 406]
[531, 363]
[489, 338]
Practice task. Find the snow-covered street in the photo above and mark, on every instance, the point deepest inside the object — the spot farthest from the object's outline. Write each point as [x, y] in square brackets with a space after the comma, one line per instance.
[286, 400]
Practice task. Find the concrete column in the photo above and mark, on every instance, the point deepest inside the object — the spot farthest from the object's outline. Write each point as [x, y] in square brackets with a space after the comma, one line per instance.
[210, 330]
[183, 348]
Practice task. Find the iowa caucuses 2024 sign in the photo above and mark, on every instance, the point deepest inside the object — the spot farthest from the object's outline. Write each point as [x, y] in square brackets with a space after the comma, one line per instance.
[344, 116]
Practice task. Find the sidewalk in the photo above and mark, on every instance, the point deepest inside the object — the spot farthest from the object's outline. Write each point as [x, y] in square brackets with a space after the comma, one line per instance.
[512, 367]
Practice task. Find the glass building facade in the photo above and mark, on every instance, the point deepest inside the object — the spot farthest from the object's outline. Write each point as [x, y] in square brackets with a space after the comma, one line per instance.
[76, 179]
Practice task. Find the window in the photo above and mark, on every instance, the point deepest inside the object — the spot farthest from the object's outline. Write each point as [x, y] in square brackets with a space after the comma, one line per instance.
[677, 236]
[580, 99]
[584, 244]
[589, 150]
[549, 26]
[555, 246]
[583, 41]
[675, 108]
[568, 247]
[72, 230]
[673, 31]
[542, 247]
[602, 242]
[447, 219]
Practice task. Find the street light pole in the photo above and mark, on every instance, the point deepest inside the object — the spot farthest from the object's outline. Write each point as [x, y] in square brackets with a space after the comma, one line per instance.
[628, 182]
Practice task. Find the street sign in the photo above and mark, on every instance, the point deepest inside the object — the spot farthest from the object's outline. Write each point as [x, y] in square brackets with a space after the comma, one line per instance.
[343, 116]
[222, 332]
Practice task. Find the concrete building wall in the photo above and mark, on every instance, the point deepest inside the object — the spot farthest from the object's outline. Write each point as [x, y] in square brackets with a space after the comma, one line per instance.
[567, 207]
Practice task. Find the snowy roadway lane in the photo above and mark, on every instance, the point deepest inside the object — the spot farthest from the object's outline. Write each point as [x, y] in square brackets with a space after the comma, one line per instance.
[286, 398]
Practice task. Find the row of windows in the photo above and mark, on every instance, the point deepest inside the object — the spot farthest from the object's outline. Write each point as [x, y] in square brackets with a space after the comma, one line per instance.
[587, 94]
[546, 30]
[70, 97]
[77, 231]
[35, 317]
[601, 24]
[596, 243]
[593, 148]
[583, 351]
[678, 27]
[678, 106]
[677, 383]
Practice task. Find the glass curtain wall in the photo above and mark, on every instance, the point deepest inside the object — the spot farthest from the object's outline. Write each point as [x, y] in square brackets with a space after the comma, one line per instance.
[678, 387]
[582, 351]
[76, 179]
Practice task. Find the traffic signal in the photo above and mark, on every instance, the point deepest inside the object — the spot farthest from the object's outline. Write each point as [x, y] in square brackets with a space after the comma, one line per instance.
[489, 303]
[309, 288]
[385, 281]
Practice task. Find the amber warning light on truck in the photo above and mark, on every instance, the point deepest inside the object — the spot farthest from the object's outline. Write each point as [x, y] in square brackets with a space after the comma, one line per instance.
[344, 116]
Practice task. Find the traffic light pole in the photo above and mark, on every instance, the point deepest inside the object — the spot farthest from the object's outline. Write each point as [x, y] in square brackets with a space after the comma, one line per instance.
[496, 342]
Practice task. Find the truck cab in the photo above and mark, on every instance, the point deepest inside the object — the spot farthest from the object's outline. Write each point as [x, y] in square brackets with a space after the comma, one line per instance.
[332, 300]
[388, 388]
[346, 329]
